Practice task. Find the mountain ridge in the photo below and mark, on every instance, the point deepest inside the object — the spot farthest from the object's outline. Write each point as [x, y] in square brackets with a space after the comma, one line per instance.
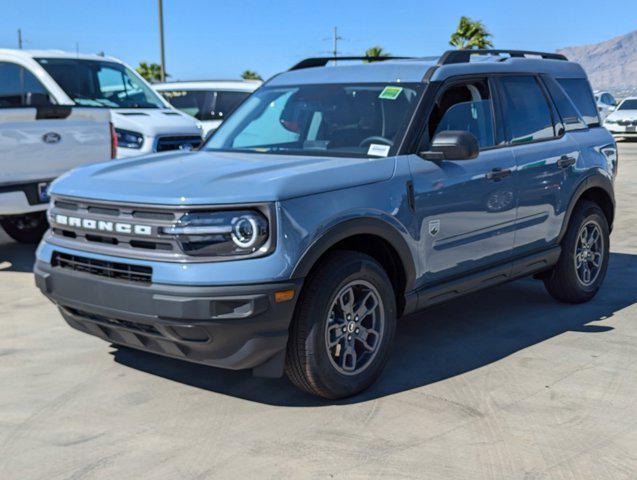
[611, 64]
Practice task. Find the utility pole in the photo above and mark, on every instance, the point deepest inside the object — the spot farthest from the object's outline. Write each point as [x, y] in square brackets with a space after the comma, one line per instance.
[335, 52]
[20, 38]
[161, 41]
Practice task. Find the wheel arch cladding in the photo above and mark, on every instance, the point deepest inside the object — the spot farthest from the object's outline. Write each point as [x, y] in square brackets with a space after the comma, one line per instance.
[597, 189]
[375, 238]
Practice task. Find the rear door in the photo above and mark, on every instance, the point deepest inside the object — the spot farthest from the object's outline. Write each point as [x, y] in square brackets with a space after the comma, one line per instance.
[545, 156]
[40, 140]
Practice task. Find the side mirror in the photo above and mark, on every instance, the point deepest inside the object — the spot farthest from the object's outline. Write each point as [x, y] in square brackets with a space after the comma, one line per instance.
[452, 145]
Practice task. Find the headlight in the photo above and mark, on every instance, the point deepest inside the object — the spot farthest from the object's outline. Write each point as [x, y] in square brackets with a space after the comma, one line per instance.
[128, 139]
[610, 121]
[222, 234]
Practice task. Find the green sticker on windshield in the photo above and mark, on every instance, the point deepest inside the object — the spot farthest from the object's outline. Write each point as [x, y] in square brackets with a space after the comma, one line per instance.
[390, 93]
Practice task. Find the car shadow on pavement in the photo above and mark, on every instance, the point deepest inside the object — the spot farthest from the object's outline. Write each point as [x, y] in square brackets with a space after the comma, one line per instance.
[16, 257]
[432, 345]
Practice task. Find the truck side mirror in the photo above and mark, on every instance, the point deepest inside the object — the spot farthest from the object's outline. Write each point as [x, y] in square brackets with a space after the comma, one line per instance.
[452, 145]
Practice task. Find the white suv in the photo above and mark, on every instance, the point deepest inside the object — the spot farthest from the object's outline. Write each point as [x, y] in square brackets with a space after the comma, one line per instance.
[606, 103]
[144, 121]
[210, 102]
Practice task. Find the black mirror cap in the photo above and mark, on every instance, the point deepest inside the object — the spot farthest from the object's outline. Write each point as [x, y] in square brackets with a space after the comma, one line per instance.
[453, 145]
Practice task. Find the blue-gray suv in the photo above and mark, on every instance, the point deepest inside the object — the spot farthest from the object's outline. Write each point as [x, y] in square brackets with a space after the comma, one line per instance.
[334, 200]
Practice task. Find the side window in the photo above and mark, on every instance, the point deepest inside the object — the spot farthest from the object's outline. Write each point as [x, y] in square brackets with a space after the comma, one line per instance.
[467, 107]
[571, 117]
[20, 88]
[526, 110]
[580, 92]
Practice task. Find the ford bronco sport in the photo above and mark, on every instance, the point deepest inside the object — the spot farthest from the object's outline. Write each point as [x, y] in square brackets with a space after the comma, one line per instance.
[333, 201]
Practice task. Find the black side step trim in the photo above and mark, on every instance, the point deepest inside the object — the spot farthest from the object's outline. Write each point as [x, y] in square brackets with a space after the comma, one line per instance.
[493, 276]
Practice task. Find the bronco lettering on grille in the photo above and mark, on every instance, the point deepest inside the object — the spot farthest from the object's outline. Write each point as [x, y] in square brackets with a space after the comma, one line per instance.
[102, 226]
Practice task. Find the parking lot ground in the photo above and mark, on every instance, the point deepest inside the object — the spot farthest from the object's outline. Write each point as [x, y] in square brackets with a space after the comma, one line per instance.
[502, 384]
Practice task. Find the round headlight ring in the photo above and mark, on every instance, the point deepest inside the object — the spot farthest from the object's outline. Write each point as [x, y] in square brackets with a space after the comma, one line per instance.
[245, 231]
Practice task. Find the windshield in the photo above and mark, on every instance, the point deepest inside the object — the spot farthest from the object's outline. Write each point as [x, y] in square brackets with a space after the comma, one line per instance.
[346, 120]
[100, 84]
[205, 104]
[628, 105]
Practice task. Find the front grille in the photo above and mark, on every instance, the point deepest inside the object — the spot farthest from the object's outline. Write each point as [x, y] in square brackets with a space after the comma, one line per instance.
[627, 123]
[113, 242]
[114, 270]
[187, 142]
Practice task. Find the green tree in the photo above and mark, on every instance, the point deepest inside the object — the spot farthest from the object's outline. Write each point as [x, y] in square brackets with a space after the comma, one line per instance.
[251, 75]
[150, 71]
[470, 34]
[375, 52]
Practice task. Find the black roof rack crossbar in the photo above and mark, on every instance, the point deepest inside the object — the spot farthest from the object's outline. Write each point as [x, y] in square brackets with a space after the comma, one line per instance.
[322, 61]
[464, 56]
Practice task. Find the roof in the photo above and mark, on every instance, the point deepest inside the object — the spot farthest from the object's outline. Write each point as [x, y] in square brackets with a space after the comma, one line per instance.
[420, 70]
[230, 85]
[55, 54]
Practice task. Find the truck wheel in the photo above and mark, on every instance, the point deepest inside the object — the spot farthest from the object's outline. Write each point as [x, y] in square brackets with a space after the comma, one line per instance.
[27, 228]
[582, 266]
[343, 326]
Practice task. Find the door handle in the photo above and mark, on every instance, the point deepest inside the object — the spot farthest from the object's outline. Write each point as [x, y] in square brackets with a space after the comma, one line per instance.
[566, 161]
[498, 174]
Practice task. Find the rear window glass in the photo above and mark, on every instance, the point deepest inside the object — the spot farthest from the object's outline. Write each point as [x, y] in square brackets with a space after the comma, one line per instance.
[580, 92]
[526, 110]
[567, 111]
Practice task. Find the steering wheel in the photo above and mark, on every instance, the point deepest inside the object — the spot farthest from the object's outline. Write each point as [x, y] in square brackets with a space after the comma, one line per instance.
[375, 139]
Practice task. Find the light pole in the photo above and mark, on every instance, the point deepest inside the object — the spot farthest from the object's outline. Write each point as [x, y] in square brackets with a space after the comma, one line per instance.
[161, 41]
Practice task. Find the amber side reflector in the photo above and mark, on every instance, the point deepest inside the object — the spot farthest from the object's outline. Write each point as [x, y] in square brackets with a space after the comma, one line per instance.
[283, 296]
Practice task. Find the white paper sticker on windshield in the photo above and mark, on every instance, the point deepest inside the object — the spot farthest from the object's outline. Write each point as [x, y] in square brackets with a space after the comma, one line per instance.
[378, 150]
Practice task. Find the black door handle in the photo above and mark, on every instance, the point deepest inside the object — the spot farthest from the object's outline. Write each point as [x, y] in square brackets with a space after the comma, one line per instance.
[498, 174]
[566, 161]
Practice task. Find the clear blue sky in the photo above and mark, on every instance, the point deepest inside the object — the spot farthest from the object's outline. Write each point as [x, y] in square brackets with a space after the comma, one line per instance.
[220, 39]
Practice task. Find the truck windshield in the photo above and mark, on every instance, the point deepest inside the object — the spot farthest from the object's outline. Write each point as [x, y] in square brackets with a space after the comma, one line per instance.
[100, 84]
[342, 120]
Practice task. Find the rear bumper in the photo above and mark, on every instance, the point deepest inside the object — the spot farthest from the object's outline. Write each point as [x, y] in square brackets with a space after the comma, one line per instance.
[232, 327]
[20, 199]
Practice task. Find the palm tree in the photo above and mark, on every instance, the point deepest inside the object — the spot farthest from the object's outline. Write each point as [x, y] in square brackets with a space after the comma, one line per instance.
[150, 71]
[470, 34]
[375, 52]
[251, 75]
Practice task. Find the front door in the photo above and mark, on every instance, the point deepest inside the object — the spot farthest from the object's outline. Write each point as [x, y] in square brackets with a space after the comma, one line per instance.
[465, 209]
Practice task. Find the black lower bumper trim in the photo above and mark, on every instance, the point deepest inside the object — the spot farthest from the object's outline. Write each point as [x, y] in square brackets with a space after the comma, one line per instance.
[233, 327]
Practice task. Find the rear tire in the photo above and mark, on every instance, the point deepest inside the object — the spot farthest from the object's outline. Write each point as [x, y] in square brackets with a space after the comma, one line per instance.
[27, 228]
[582, 266]
[343, 326]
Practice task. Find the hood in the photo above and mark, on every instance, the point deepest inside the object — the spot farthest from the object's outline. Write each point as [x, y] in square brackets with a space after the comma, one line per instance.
[155, 121]
[196, 178]
[623, 115]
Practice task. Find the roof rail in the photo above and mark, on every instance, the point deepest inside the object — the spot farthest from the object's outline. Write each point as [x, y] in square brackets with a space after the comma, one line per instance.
[322, 61]
[464, 56]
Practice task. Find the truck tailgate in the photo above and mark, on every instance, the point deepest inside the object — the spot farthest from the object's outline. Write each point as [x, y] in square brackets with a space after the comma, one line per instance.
[43, 143]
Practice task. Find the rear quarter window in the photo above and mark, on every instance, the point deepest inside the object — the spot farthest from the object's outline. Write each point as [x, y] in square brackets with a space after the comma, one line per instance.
[579, 90]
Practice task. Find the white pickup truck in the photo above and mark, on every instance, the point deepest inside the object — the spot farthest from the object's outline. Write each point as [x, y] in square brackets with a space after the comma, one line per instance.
[40, 140]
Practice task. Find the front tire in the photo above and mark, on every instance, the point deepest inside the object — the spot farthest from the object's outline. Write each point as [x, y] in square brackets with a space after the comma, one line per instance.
[27, 228]
[343, 327]
[582, 266]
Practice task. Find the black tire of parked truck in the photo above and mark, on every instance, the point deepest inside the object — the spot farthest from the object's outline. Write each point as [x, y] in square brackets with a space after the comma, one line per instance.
[582, 266]
[27, 228]
[343, 326]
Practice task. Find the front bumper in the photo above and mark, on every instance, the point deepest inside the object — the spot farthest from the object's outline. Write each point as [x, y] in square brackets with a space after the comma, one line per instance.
[234, 327]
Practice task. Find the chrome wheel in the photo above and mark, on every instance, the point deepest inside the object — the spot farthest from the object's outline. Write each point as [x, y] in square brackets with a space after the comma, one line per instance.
[355, 327]
[589, 253]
